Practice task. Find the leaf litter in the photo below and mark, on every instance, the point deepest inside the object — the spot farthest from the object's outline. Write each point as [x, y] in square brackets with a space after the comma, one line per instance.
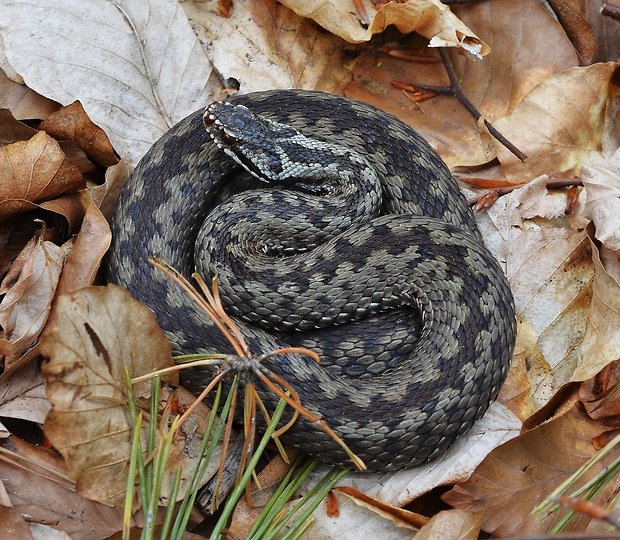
[561, 257]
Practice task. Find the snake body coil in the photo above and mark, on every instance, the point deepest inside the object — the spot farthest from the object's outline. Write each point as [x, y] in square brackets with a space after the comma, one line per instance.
[361, 247]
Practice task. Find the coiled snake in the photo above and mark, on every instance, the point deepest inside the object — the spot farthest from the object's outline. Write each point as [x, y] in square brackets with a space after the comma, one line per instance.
[361, 246]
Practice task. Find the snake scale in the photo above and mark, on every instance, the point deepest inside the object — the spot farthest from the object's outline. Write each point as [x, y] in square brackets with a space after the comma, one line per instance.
[376, 263]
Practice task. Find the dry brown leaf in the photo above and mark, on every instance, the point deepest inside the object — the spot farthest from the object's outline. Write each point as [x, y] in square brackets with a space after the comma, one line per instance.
[600, 395]
[577, 28]
[22, 395]
[14, 524]
[93, 334]
[516, 476]
[28, 297]
[606, 31]
[72, 123]
[452, 525]
[14, 236]
[33, 477]
[33, 171]
[11, 130]
[429, 18]
[89, 247]
[559, 124]
[23, 102]
[495, 85]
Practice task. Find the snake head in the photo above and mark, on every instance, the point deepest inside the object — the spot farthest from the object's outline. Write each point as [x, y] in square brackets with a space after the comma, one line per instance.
[251, 140]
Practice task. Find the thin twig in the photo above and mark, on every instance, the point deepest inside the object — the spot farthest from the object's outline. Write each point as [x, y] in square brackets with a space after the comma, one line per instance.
[552, 184]
[454, 89]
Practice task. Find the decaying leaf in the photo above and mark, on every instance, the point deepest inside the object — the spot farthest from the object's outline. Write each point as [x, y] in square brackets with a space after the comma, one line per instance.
[516, 476]
[94, 335]
[33, 171]
[429, 18]
[22, 101]
[28, 298]
[559, 124]
[72, 123]
[37, 487]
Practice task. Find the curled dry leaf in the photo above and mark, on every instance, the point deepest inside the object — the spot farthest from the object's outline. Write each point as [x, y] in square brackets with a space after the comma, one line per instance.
[559, 124]
[94, 334]
[495, 86]
[29, 292]
[577, 28]
[33, 171]
[72, 123]
[429, 18]
[519, 474]
[89, 247]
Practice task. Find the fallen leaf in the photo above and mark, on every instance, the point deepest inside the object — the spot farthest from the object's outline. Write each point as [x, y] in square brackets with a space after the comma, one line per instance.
[601, 342]
[72, 123]
[548, 261]
[606, 31]
[495, 85]
[27, 301]
[14, 525]
[131, 82]
[496, 427]
[11, 130]
[429, 18]
[452, 525]
[577, 28]
[37, 486]
[22, 395]
[23, 102]
[264, 45]
[600, 395]
[517, 475]
[94, 335]
[33, 171]
[559, 124]
[355, 521]
[87, 252]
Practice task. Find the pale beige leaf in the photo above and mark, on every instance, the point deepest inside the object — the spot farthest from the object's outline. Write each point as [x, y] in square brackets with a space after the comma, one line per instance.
[601, 343]
[497, 426]
[429, 18]
[547, 259]
[94, 334]
[22, 395]
[26, 305]
[134, 79]
[516, 476]
[452, 525]
[264, 45]
[559, 124]
[33, 171]
[354, 521]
